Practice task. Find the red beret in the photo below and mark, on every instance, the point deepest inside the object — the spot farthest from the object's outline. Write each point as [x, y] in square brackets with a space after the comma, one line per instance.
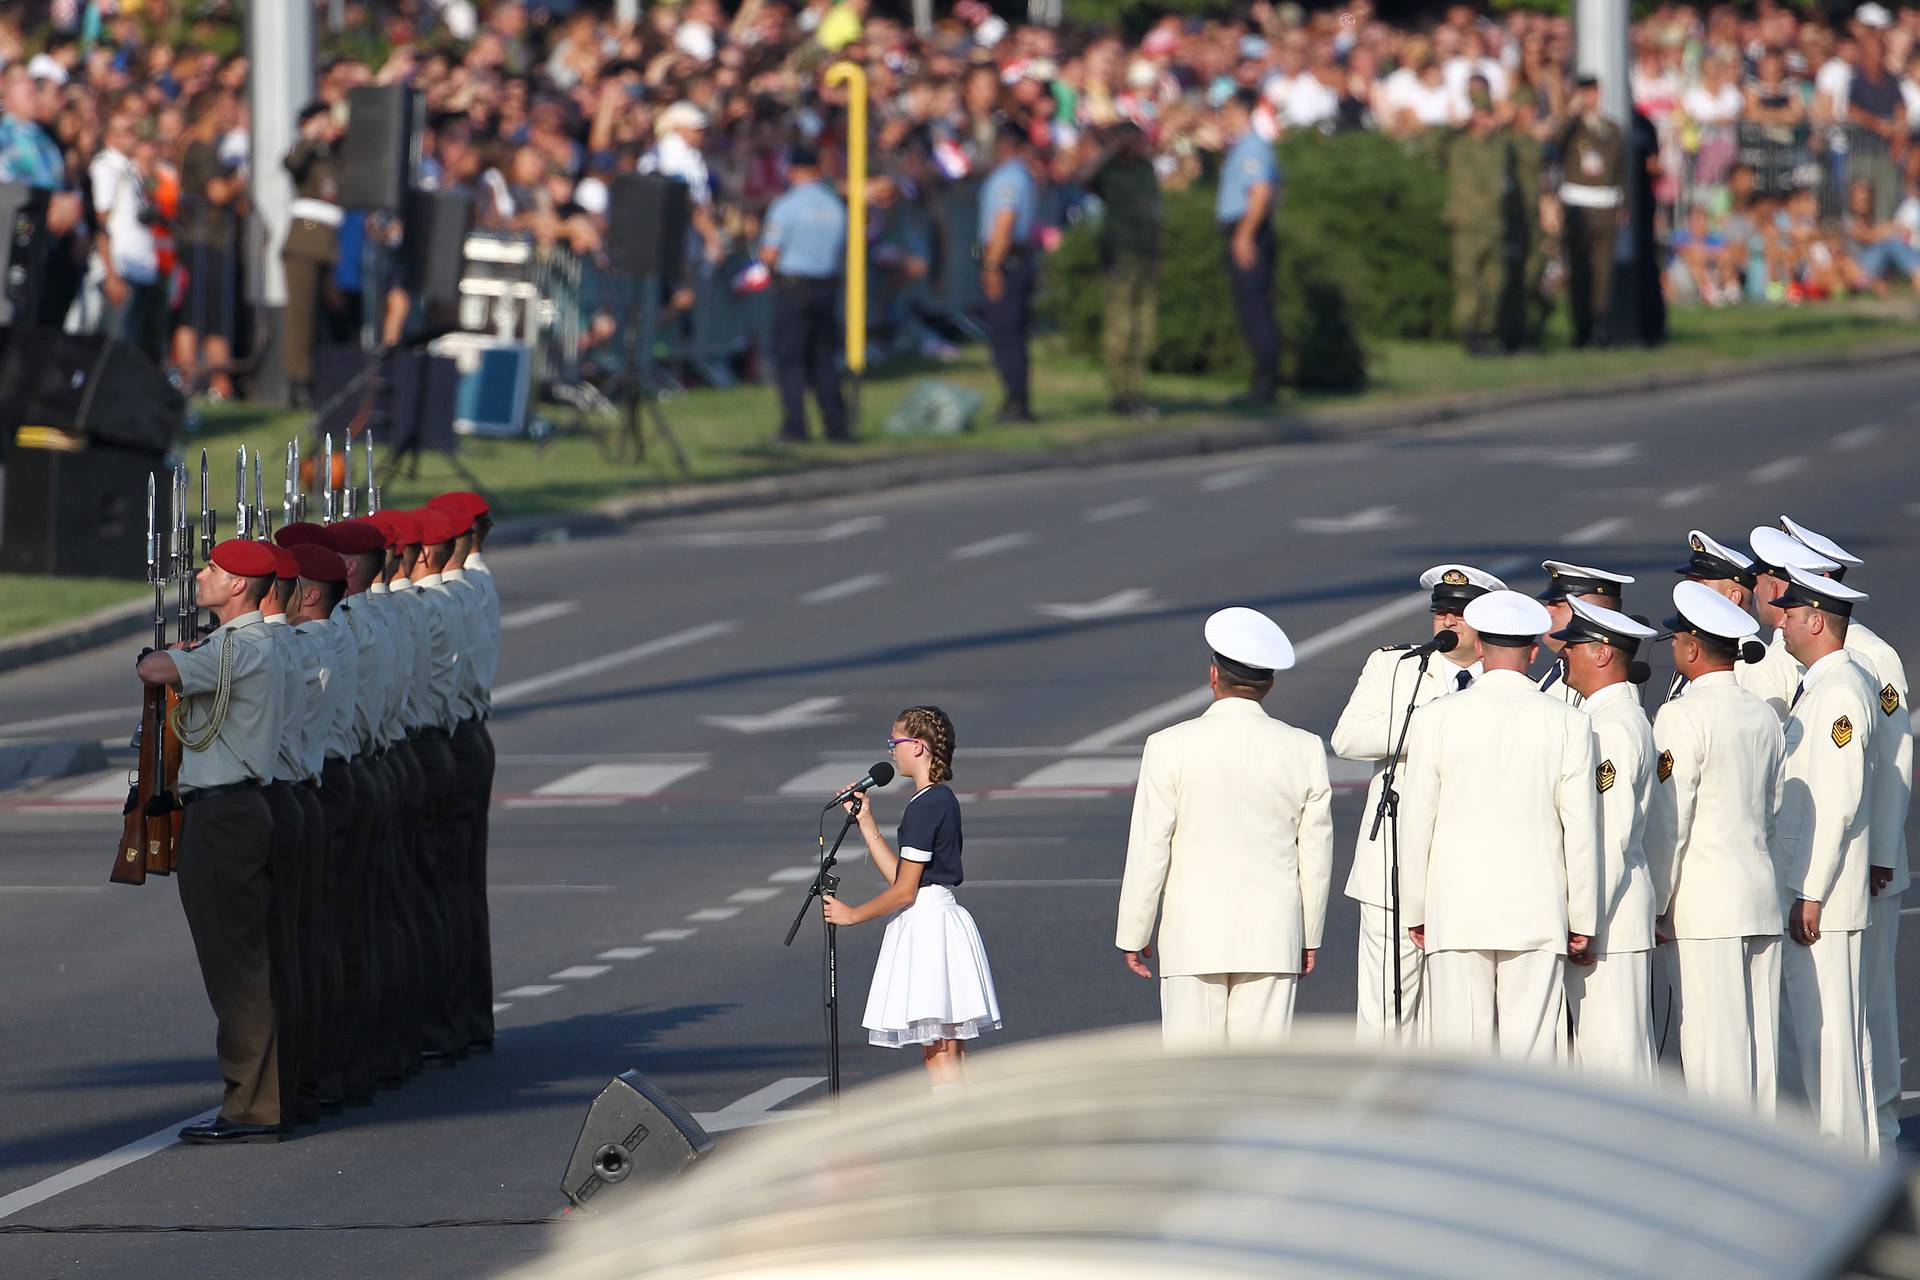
[318, 563]
[437, 526]
[245, 558]
[357, 537]
[461, 502]
[302, 533]
[401, 527]
[459, 521]
[284, 565]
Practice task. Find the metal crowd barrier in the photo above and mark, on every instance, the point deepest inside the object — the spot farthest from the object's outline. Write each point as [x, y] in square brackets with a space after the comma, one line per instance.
[1823, 158]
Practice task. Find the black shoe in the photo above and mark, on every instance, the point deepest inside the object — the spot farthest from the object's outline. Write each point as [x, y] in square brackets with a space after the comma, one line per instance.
[220, 1130]
[1011, 412]
[442, 1057]
[480, 1045]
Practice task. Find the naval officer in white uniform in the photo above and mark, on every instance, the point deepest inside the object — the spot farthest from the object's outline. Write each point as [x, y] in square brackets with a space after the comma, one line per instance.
[1369, 729]
[1232, 849]
[1567, 582]
[1499, 863]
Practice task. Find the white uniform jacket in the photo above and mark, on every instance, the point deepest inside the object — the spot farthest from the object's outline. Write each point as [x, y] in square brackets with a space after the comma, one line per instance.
[1499, 830]
[1623, 779]
[1892, 752]
[1821, 838]
[1716, 788]
[1232, 844]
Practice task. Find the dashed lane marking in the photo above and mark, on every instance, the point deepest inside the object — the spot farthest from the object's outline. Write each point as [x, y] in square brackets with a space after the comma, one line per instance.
[626, 953]
[713, 915]
[669, 935]
[794, 875]
[1777, 470]
[757, 1107]
[620, 780]
[1119, 510]
[537, 614]
[611, 661]
[531, 992]
[845, 587]
[1598, 531]
[761, 894]
[991, 546]
[579, 972]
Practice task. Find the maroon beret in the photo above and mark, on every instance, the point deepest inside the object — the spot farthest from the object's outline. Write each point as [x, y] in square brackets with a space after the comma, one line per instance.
[318, 563]
[357, 537]
[437, 526]
[401, 527]
[284, 565]
[245, 558]
[461, 502]
[302, 533]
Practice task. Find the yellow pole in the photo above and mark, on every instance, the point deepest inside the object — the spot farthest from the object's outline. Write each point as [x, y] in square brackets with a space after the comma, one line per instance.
[855, 78]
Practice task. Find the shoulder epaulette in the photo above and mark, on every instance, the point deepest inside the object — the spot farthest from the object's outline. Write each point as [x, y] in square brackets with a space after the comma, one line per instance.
[1393, 648]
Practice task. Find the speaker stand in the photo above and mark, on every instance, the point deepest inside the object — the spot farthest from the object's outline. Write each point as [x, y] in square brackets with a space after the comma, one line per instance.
[641, 387]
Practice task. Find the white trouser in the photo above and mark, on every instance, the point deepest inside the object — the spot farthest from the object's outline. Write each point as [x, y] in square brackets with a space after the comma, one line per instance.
[1612, 1016]
[1726, 998]
[1214, 1010]
[1513, 1001]
[1879, 993]
[1373, 1011]
[1820, 988]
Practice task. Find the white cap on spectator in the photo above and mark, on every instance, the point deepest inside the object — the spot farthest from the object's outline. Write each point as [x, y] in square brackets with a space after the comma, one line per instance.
[1873, 15]
[681, 115]
[1141, 75]
[591, 194]
[695, 39]
[42, 67]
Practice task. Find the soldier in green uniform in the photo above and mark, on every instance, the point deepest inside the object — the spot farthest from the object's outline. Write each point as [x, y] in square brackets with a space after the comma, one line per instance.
[1121, 173]
[313, 242]
[1492, 187]
[1593, 170]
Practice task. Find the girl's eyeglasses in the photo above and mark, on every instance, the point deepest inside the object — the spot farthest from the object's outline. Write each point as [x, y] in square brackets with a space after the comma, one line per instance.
[894, 742]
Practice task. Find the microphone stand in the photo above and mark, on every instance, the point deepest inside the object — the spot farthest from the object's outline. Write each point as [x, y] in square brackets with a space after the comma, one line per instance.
[1388, 810]
[826, 882]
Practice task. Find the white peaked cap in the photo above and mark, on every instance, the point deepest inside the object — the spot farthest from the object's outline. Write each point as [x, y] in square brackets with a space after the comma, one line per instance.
[1611, 620]
[1250, 638]
[1821, 543]
[1775, 547]
[1700, 608]
[1508, 613]
[1475, 577]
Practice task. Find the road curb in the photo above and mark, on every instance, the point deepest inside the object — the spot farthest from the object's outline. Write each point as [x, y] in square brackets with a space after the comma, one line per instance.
[63, 638]
[22, 762]
[822, 483]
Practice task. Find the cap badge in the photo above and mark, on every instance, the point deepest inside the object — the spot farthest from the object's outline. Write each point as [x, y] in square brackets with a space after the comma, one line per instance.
[1697, 544]
[1889, 699]
[1603, 776]
[1842, 732]
[1666, 765]
[1454, 578]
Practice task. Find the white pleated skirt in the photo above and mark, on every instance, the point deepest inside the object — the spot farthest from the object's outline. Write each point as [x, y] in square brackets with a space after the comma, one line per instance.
[932, 981]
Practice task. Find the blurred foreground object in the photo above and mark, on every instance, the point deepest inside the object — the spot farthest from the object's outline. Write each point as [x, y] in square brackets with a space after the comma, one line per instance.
[1098, 1155]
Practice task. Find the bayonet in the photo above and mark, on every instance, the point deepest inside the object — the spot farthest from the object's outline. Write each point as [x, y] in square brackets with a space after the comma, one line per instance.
[260, 512]
[326, 481]
[373, 490]
[286, 501]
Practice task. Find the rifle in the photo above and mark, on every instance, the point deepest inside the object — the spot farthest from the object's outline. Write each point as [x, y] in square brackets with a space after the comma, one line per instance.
[146, 822]
[260, 512]
[326, 503]
[373, 490]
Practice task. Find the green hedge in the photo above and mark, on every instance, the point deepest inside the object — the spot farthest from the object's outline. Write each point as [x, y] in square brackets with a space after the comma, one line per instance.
[1363, 256]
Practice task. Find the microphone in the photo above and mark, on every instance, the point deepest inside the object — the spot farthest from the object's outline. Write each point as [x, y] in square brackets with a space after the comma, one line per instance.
[1639, 672]
[1753, 651]
[1444, 642]
[878, 776]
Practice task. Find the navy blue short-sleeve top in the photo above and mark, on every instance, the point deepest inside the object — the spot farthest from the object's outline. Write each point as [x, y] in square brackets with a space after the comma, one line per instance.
[930, 833]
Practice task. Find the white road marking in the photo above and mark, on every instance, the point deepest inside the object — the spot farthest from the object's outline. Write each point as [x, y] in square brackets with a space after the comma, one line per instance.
[710, 915]
[1858, 437]
[1369, 520]
[1120, 603]
[1674, 499]
[1239, 477]
[1096, 773]
[799, 715]
[991, 546]
[50, 888]
[611, 661]
[562, 802]
[537, 614]
[1775, 471]
[531, 992]
[1910, 911]
[838, 531]
[757, 1107]
[23, 728]
[1041, 884]
[794, 875]
[512, 889]
[822, 780]
[757, 894]
[579, 972]
[626, 953]
[1618, 454]
[1119, 510]
[1598, 531]
[99, 1166]
[845, 587]
[498, 1005]
[111, 785]
[1142, 723]
[669, 935]
[639, 780]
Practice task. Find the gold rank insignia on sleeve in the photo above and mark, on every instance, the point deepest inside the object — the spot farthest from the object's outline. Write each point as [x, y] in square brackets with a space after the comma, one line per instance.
[1603, 776]
[1842, 732]
[1889, 699]
[1666, 765]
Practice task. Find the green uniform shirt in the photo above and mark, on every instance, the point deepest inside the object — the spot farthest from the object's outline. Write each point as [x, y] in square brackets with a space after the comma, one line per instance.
[1130, 189]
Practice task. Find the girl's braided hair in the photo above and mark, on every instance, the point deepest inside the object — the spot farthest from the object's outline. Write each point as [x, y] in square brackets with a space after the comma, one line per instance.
[931, 726]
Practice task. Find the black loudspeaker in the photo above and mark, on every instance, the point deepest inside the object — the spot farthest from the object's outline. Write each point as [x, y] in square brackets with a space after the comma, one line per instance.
[434, 251]
[415, 394]
[90, 386]
[647, 229]
[381, 155]
[634, 1135]
[79, 513]
[24, 244]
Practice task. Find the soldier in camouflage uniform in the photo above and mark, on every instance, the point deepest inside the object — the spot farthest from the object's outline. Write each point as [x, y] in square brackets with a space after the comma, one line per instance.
[1492, 189]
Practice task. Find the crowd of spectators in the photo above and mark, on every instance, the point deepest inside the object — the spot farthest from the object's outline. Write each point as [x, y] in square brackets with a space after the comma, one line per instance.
[1787, 168]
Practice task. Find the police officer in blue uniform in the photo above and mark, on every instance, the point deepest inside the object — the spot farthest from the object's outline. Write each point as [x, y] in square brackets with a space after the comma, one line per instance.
[1009, 201]
[1249, 189]
[805, 246]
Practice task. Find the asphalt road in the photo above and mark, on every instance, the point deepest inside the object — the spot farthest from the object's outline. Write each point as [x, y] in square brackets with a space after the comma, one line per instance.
[675, 704]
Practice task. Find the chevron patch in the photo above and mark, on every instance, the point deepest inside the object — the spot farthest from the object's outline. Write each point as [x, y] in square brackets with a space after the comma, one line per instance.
[1604, 776]
[1842, 732]
[1666, 765]
[1889, 699]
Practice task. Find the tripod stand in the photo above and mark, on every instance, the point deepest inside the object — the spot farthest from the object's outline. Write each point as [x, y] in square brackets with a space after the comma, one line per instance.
[824, 883]
[1388, 810]
[640, 387]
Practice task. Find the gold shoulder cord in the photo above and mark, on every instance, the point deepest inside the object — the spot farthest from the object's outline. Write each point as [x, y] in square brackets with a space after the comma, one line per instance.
[222, 695]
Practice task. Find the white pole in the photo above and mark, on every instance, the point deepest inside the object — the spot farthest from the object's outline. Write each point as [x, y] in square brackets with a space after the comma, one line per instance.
[1600, 50]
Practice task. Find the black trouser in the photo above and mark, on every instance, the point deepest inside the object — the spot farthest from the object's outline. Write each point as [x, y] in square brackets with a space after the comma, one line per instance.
[1252, 289]
[396, 922]
[805, 332]
[479, 940]
[1008, 319]
[351, 889]
[436, 879]
[226, 891]
[319, 954]
[289, 847]
[1589, 237]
